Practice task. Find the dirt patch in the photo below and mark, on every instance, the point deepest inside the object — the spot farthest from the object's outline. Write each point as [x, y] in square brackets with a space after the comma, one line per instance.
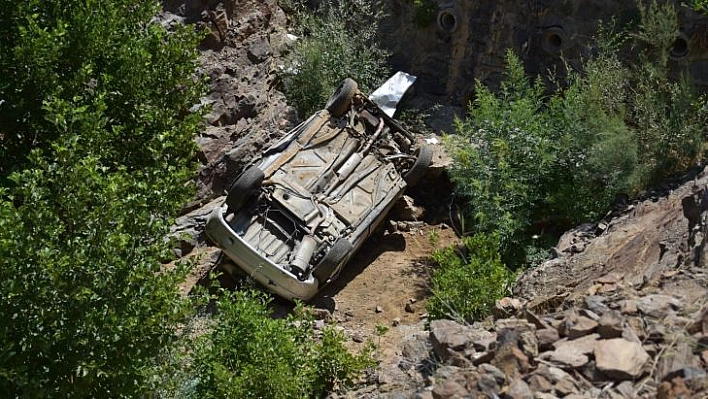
[386, 283]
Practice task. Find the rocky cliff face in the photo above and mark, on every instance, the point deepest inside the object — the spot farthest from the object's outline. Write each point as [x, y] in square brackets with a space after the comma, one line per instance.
[621, 312]
[466, 40]
[239, 57]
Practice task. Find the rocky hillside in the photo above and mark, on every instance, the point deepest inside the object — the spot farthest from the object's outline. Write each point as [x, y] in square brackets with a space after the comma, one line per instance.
[619, 312]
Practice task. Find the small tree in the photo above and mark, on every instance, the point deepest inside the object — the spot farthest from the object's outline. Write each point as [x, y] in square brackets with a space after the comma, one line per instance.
[338, 40]
[96, 155]
[531, 163]
[468, 280]
[249, 354]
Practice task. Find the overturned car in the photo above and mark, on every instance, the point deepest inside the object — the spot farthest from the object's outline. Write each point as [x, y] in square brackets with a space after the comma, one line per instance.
[294, 217]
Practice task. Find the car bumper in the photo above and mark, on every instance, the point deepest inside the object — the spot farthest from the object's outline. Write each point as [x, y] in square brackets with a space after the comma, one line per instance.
[267, 273]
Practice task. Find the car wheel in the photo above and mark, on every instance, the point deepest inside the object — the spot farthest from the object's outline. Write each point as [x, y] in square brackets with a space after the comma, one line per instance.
[339, 103]
[331, 260]
[243, 188]
[424, 157]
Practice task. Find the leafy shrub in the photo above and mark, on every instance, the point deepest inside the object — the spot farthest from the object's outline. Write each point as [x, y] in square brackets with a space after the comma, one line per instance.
[248, 354]
[338, 40]
[531, 163]
[96, 153]
[468, 280]
[424, 12]
[668, 117]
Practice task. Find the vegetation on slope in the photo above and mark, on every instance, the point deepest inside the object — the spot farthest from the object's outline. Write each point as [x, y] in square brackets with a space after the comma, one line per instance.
[337, 40]
[97, 145]
[531, 164]
[97, 149]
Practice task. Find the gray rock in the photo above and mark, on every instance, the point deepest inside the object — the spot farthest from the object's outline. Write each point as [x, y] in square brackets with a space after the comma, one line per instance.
[658, 305]
[567, 357]
[582, 326]
[674, 361]
[546, 338]
[447, 335]
[584, 345]
[415, 351]
[498, 375]
[518, 389]
[596, 303]
[619, 358]
[449, 389]
[610, 325]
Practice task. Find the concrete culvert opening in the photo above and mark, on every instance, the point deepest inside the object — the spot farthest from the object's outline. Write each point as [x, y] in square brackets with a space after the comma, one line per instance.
[680, 46]
[447, 20]
[553, 40]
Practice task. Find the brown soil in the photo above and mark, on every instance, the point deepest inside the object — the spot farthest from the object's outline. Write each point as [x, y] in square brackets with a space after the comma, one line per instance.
[386, 285]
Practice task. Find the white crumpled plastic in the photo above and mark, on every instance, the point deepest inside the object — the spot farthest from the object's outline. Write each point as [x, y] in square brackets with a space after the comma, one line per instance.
[390, 93]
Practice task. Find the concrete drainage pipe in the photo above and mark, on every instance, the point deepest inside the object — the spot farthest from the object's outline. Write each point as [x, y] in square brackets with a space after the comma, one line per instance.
[447, 20]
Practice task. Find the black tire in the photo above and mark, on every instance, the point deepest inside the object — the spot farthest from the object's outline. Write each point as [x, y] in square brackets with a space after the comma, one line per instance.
[243, 188]
[331, 260]
[341, 99]
[424, 157]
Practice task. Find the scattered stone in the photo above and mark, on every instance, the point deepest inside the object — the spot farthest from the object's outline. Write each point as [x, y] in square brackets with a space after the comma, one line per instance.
[546, 337]
[619, 358]
[658, 305]
[378, 309]
[610, 325]
[506, 307]
[396, 322]
[518, 389]
[628, 306]
[449, 389]
[584, 345]
[583, 326]
[358, 338]
[538, 383]
[567, 357]
[674, 361]
[409, 308]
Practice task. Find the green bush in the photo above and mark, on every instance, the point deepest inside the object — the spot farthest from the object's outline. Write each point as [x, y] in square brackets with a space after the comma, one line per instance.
[468, 280]
[667, 115]
[96, 156]
[424, 12]
[249, 354]
[533, 163]
[338, 40]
